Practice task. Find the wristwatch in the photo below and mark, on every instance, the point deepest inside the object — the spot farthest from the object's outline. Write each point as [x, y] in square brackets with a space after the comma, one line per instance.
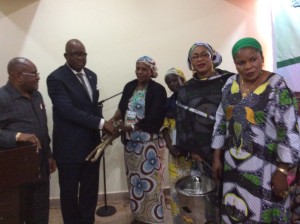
[283, 171]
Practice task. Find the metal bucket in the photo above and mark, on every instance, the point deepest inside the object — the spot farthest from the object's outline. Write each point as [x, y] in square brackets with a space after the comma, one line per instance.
[198, 200]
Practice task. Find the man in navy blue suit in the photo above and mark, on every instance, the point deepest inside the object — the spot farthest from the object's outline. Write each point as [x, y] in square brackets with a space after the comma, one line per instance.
[77, 121]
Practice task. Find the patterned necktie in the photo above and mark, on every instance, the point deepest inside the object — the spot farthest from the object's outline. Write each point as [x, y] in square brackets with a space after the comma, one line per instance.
[79, 75]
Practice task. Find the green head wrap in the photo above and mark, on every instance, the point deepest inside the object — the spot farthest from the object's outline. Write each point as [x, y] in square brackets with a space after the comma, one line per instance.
[245, 42]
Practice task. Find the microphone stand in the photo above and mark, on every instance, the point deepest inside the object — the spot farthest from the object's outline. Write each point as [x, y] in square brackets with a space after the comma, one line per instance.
[106, 210]
[100, 103]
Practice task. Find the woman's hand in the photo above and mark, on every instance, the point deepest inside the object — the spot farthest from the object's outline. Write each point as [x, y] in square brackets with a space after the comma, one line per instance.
[126, 128]
[196, 157]
[279, 184]
[173, 149]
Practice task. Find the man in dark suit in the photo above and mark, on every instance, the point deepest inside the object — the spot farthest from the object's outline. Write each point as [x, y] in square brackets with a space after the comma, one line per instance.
[77, 121]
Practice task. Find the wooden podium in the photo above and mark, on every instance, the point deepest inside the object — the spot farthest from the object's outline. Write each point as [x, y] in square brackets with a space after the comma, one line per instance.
[17, 166]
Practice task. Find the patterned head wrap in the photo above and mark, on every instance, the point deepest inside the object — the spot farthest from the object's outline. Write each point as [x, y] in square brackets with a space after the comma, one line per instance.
[150, 63]
[215, 56]
[245, 42]
[177, 72]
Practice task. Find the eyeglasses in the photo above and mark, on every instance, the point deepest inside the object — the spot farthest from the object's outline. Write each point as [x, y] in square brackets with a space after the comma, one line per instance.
[77, 54]
[204, 55]
[31, 74]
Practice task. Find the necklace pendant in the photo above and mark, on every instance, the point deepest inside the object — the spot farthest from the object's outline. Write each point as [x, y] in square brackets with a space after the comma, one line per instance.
[244, 95]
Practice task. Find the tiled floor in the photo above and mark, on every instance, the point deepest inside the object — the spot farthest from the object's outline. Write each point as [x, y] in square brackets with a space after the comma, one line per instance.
[122, 216]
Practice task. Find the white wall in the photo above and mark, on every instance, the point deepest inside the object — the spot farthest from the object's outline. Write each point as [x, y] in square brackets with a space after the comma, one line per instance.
[116, 33]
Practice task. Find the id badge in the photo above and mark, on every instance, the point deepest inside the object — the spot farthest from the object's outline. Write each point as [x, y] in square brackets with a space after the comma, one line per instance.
[173, 134]
[130, 117]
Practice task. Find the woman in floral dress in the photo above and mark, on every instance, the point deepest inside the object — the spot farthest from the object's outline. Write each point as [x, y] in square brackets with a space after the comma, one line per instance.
[141, 109]
[256, 126]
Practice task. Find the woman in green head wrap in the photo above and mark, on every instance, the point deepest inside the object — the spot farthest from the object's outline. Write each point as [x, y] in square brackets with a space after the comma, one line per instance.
[246, 42]
[248, 60]
[257, 118]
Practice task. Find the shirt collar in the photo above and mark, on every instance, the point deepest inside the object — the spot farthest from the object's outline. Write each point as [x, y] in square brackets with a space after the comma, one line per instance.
[75, 72]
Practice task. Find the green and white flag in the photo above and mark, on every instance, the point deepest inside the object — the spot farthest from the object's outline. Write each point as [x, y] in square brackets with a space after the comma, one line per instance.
[286, 31]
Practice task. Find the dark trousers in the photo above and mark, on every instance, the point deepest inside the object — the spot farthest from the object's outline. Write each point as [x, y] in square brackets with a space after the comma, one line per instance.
[78, 191]
[34, 203]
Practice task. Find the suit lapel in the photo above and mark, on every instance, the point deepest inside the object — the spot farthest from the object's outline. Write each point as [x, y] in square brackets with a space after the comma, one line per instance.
[75, 83]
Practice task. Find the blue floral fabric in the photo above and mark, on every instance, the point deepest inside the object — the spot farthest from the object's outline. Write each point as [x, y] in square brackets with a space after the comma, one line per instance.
[144, 154]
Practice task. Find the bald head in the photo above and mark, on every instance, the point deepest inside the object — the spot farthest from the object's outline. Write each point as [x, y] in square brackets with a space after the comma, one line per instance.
[17, 65]
[23, 75]
[73, 43]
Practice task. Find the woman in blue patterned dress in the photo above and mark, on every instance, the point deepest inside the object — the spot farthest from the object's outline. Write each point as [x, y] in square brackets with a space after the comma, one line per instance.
[257, 121]
[141, 109]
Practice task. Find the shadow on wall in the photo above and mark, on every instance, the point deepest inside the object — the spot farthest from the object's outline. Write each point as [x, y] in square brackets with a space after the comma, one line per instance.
[8, 7]
[16, 18]
[21, 13]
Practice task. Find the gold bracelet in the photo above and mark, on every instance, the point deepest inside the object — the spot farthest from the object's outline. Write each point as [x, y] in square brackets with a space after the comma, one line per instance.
[18, 136]
[283, 171]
